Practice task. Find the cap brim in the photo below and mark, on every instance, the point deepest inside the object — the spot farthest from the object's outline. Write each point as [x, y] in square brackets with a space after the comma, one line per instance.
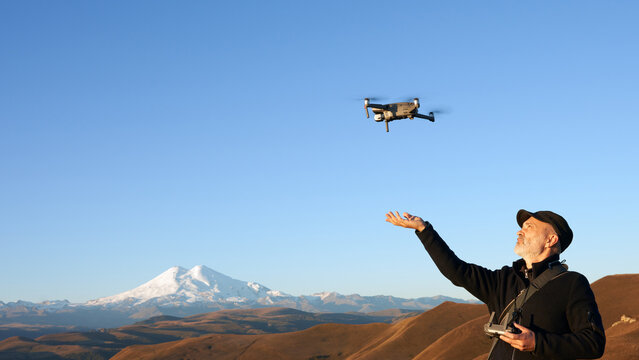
[522, 216]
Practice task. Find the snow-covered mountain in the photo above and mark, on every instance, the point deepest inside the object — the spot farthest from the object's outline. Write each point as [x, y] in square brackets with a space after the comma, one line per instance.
[202, 288]
[178, 286]
[182, 292]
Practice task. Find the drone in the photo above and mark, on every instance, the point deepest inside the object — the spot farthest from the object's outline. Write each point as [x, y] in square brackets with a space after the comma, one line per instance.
[396, 111]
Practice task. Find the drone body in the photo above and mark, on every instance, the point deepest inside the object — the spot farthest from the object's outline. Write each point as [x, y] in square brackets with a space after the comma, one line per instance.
[396, 111]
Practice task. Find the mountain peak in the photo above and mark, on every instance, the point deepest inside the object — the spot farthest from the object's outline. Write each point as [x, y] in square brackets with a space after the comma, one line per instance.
[200, 273]
[190, 291]
[178, 285]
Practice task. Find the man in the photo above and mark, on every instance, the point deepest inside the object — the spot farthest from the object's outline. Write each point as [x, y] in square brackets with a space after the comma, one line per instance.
[560, 321]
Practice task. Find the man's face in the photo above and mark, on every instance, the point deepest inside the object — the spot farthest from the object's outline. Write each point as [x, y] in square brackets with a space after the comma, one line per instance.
[531, 239]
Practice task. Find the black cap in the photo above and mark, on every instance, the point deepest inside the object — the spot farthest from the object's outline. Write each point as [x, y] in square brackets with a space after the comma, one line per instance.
[556, 221]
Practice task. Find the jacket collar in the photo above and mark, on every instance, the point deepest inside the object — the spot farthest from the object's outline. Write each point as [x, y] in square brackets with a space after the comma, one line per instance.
[537, 268]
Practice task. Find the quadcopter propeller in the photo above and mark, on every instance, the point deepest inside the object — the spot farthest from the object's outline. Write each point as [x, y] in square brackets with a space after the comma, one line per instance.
[405, 98]
[371, 98]
[440, 111]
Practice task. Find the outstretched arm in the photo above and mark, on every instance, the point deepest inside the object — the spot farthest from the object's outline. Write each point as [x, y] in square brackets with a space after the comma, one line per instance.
[479, 281]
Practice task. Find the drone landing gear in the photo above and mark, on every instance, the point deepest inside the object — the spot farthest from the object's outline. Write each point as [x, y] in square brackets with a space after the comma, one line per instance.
[386, 121]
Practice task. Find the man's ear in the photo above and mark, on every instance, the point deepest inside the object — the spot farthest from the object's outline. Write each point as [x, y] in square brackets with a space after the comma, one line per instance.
[553, 239]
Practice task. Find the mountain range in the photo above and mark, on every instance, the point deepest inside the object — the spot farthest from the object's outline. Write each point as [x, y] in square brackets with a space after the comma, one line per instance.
[181, 292]
[450, 331]
[178, 287]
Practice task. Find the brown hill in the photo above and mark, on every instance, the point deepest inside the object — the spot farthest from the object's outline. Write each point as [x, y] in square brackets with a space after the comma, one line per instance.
[463, 342]
[412, 335]
[34, 330]
[19, 348]
[622, 340]
[107, 342]
[401, 340]
[617, 295]
[449, 331]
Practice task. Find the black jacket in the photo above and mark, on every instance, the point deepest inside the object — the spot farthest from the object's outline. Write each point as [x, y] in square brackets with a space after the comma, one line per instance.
[563, 314]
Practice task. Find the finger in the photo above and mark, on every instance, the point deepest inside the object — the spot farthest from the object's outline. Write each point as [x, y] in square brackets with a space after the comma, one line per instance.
[408, 216]
[399, 217]
[514, 345]
[520, 327]
[513, 342]
[391, 218]
[507, 335]
[512, 337]
[505, 338]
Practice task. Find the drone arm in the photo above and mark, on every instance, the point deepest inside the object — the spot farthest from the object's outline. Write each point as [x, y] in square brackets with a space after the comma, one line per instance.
[430, 116]
[374, 106]
[378, 106]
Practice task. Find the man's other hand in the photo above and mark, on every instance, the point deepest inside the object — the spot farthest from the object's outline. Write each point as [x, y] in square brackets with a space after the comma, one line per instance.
[525, 341]
[409, 221]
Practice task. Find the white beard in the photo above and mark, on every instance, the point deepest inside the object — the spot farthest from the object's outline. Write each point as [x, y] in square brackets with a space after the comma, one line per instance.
[525, 249]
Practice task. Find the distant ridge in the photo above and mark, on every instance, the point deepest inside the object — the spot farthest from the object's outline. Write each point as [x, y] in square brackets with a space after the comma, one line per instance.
[202, 286]
[185, 292]
[105, 343]
[405, 339]
[450, 331]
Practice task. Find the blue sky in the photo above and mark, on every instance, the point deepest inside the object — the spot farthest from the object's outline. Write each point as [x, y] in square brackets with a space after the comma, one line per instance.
[136, 136]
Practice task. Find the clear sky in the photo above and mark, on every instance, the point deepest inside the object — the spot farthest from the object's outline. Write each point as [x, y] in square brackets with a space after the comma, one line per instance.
[140, 135]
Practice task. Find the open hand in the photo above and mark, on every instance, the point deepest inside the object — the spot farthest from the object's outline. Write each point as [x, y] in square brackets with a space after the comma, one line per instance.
[525, 341]
[409, 221]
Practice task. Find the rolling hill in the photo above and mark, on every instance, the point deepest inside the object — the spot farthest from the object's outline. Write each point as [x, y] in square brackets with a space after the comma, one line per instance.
[181, 292]
[449, 331]
[104, 343]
